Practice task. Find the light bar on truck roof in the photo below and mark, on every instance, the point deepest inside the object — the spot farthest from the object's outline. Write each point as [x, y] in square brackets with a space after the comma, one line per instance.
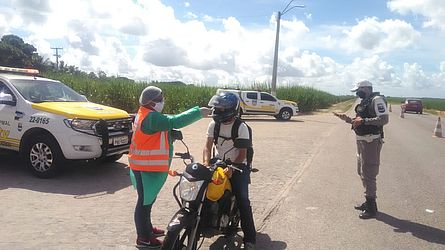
[20, 70]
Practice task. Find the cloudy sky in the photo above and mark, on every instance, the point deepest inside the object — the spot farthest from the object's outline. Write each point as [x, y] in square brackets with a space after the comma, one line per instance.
[396, 44]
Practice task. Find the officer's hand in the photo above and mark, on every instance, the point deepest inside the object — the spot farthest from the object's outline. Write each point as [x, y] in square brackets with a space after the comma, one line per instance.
[357, 121]
[343, 117]
[228, 172]
[205, 111]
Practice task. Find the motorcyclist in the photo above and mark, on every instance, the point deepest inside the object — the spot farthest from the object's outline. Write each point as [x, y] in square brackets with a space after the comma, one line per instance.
[225, 108]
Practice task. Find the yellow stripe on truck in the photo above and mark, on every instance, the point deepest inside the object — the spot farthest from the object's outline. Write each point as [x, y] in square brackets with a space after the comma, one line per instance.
[11, 143]
[82, 110]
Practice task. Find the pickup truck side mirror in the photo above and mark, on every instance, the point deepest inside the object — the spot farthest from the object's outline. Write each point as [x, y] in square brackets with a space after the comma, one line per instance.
[7, 99]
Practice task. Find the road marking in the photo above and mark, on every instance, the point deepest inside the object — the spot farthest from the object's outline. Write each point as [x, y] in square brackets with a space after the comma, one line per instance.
[86, 196]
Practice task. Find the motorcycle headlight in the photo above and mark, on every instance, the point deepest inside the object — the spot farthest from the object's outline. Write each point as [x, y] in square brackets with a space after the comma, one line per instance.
[189, 190]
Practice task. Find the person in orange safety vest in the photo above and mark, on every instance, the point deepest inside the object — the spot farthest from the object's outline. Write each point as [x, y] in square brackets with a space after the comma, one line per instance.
[150, 156]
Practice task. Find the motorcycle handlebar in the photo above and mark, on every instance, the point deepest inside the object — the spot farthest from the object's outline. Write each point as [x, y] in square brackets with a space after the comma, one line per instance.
[230, 164]
[184, 156]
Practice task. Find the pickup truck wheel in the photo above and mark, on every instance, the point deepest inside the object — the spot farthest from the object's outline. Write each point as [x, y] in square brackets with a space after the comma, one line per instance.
[43, 156]
[285, 114]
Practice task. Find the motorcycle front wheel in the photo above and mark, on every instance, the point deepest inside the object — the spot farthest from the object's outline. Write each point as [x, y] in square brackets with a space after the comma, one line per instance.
[180, 239]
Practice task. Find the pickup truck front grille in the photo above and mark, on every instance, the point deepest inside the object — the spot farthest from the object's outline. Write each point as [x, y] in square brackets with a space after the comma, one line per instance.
[116, 135]
[119, 125]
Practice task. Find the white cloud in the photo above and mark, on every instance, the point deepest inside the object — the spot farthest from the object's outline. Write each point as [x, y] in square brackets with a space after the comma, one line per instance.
[134, 26]
[415, 77]
[33, 11]
[374, 69]
[376, 37]
[432, 10]
[191, 15]
[208, 19]
[165, 53]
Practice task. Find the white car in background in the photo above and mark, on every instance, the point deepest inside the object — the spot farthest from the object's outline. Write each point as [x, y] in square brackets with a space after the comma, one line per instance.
[263, 103]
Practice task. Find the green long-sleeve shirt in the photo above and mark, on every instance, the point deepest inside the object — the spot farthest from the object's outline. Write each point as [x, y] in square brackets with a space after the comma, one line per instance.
[156, 122]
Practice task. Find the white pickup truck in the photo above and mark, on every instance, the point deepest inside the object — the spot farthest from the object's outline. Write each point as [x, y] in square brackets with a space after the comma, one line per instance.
[262, 103]
[49, 123]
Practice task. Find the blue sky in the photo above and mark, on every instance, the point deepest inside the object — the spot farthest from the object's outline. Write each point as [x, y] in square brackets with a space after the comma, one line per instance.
[329, 45]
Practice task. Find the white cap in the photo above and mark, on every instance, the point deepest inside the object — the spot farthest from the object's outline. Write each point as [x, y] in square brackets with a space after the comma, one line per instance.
[365, 83]
[148, 94]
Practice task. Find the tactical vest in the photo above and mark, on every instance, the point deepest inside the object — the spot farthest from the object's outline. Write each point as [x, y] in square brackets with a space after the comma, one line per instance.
[234, 135]
[366, 110]
[148, 152]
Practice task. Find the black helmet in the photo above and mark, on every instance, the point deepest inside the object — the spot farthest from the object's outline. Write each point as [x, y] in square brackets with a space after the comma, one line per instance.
[225, 106]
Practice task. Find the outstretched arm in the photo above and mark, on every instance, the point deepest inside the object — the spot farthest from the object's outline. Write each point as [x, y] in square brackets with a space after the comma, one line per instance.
[156, 122]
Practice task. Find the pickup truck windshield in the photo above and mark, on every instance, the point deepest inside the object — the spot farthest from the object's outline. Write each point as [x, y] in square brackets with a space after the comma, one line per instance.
[46, 91]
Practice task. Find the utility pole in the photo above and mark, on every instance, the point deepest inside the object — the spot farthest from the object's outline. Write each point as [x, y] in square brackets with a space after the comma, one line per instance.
[277, 41]
[57, 55]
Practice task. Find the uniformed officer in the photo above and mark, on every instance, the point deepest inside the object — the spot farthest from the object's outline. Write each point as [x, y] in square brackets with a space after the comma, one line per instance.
[371, 115]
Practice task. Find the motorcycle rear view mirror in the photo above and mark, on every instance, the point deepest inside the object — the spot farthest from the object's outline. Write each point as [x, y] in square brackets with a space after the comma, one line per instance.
[176, 135]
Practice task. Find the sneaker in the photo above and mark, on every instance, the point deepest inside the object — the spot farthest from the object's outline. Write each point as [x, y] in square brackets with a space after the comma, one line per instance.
[157, 232]
[249, 246]
[153, 243]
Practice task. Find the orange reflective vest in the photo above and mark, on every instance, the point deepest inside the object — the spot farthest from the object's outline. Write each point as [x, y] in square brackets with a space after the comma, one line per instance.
[148, 152]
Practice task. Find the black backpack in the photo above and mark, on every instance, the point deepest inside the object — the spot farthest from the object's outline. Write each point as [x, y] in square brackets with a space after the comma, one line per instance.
[234, 135]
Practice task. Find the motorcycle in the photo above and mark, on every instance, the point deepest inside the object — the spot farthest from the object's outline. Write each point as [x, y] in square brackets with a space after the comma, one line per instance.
[207, 205]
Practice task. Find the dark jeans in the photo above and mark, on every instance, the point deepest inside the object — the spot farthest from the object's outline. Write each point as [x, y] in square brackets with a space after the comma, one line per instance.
[240, 185]
[142, 214]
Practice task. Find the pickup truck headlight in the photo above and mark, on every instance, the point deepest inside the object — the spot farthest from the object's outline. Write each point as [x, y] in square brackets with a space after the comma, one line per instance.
[81, 124]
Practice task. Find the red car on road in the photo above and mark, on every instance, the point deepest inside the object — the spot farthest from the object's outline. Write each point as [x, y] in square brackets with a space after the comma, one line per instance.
[413, 105]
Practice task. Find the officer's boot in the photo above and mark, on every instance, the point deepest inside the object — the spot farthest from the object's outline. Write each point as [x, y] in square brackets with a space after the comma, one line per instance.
[361, 207]
[371, 209]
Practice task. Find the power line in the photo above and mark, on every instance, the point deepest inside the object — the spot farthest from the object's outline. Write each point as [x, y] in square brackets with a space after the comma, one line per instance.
[57, 55]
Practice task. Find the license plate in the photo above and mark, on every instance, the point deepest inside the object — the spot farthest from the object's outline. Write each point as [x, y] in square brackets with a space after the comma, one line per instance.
[121, 140]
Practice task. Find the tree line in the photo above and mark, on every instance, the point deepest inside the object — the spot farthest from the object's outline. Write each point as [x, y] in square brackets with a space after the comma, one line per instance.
[14, 52]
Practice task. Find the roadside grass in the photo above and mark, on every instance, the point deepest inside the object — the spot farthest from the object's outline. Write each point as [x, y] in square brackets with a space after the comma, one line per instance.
[123, 93]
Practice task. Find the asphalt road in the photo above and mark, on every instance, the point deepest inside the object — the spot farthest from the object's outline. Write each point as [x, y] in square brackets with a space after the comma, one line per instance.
[318, 211]
[302, 197]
